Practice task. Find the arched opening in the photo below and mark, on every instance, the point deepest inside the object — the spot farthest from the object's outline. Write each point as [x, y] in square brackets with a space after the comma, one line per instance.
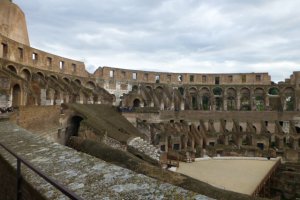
[16, 96]
[231, 99]
[135, 88]
[181, 90]
[41, 75]
[217, 91]
[193, 94]
[205, 96]
[136, 103]
[245, 99]
[91, 85]
[12, 69]
[259, 101]
[53, 77]
[73, 128]
[219, 103]
[205, 103]
[26, 74]
[273, 91]
[289, 99]
[66, 80]
[78, 81]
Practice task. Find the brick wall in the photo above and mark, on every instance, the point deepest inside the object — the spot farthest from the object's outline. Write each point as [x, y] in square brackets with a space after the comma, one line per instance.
[37, 118]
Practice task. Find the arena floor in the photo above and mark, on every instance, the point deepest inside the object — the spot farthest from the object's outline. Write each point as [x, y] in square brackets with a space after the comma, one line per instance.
[241, 176]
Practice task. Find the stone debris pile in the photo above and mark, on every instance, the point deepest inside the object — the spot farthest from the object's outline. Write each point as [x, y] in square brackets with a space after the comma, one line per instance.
[145, 148]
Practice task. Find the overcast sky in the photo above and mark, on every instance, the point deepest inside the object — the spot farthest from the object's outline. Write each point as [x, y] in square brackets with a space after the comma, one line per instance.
[198, 36]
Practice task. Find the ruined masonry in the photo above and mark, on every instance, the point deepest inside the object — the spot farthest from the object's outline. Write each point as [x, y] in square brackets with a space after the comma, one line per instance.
[89, 177]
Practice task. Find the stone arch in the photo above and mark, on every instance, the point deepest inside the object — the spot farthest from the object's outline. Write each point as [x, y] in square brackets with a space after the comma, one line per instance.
[12, 68]
[245, 99]
[77, 81]
[273, 91]
[136, 103]
[205, 98]
[217, 91]
[274, 98]
[91, 85]
[193, 96]
[41, 75]
[134, 88]
[53, 76]
[288, 99]
[73, 127]
[148, 88]
[16, 95]
[66, 79]
[181, 90]
[259, 99]
[26, 74]
[231, 98]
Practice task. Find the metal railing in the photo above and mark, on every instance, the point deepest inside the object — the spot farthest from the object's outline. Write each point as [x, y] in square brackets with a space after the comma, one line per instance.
[50, 180]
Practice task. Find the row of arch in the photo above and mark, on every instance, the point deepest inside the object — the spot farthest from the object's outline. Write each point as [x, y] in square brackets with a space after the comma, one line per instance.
[26, 74]
[216, 98]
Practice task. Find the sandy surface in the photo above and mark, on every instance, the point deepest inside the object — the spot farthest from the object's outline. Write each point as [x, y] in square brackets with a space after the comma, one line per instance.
[241, 176]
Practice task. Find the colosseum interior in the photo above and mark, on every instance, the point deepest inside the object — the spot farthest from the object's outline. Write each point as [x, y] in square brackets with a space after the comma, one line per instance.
[150, 120]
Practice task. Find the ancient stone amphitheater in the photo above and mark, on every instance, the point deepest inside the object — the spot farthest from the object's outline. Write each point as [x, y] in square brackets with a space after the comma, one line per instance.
[129, 126]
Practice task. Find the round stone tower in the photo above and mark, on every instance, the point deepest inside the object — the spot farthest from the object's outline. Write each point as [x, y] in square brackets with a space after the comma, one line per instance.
[12, 22]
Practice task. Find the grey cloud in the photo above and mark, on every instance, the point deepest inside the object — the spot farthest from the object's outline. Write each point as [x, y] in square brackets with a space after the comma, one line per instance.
[204, 36]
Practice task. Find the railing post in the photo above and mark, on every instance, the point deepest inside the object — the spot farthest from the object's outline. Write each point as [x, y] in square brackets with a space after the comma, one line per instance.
[19, 179]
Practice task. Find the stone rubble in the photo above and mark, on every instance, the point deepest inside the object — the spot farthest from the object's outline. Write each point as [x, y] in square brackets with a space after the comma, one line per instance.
[145, 148]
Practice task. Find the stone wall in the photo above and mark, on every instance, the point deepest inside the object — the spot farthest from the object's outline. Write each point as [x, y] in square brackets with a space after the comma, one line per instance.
[8, 181]
[42, 120]
[87, 176]
[286, 183]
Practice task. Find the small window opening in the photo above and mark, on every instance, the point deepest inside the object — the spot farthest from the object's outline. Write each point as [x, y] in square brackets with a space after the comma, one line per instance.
[192, 78]
[180, 78]
[21, 53]
[4, 50]
[217, 80]
[34, 56]
[157, 79]
[134, 76]
[111, 73]
[49, 61]
[61, 65]
[74, 67]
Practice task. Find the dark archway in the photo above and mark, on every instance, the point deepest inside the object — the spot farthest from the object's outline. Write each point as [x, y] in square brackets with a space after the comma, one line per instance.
[136, 103]
[12, 69]
[73, 127]
[16, 96]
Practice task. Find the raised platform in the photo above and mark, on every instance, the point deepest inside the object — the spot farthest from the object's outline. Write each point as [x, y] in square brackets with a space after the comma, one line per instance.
[242, 175]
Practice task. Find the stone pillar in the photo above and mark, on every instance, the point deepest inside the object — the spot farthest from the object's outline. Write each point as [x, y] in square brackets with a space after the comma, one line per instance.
[182, 105]
[225, 103]
[295, 144]
[267, 101]
[238, 106]
[226, 140]
[280, 143]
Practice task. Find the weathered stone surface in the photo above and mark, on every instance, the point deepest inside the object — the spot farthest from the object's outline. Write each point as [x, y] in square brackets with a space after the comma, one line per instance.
[89, 177]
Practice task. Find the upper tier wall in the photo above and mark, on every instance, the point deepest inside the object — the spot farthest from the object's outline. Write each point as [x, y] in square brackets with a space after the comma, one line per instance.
[25, 55]
[108, 73]
[13, 22]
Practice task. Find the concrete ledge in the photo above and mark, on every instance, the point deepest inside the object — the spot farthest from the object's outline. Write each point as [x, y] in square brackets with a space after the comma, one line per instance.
[87, 176]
